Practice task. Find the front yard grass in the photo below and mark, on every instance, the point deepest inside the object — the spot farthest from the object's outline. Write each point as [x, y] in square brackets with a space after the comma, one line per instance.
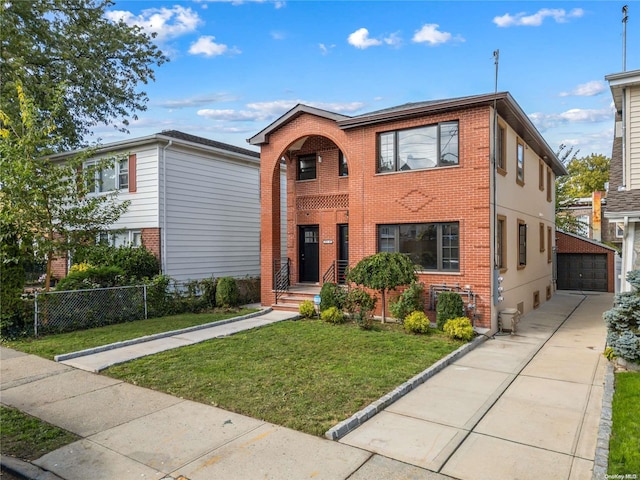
[305, 375]
[624, 454]
[28, 438]
[51, 345]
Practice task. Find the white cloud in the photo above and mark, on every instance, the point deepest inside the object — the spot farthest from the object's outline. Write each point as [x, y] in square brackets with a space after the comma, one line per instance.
[393, 40]
[276, 3]
[325, 49]
[206, 46]
[560, 15]
[360, 39]
[430, 34]
[263, 111]
[196, 101]
[166, 23]
[588, 89]
[575, 115]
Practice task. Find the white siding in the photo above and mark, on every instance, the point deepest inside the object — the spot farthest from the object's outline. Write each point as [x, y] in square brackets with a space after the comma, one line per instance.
[212, 218]
[143, 211]
[633, 136]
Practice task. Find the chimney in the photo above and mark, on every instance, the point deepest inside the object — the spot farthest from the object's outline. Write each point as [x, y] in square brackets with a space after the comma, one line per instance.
[596, 202]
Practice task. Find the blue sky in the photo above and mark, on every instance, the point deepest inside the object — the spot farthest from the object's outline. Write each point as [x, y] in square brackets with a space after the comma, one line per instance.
[236, 66]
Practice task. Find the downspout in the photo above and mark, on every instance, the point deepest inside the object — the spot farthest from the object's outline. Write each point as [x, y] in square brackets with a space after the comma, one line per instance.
[494, 201]
[164, 207]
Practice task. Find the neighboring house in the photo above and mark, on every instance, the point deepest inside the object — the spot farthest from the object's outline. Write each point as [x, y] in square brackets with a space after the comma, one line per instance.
[418, 179]
[585, 264]
[195, 203]
[589, 211]
[623, 203]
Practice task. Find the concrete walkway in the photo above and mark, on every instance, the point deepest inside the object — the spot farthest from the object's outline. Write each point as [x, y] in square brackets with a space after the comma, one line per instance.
[525, 406]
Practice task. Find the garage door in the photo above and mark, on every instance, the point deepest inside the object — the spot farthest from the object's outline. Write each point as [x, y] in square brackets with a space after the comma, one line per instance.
[582, 271]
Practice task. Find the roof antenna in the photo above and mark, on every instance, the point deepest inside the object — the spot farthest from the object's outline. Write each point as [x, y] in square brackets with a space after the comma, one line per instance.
[625, 17]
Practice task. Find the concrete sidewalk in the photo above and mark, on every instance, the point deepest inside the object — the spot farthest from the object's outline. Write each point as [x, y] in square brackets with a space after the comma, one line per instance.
[525, 406]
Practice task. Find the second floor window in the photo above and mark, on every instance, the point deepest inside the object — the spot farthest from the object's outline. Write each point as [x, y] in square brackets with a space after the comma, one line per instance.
[418, 148]
[307, 167]
[109, 178]
[343, 169]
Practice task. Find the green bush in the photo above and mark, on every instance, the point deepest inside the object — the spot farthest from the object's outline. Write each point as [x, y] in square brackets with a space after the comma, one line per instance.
[307, 309]
[249, 290]
[417, 322]
[450, 305]
[208, 286]
[459, 329]
[623, 322]
[227, 292]
[411, 300]
[332, 315]
[93, 277]
[136, 262]
[332, 295]
[360, 306]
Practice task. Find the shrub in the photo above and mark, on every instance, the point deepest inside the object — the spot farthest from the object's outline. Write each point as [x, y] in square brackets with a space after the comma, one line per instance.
[307, 309]
[332, 315]
[332, 295]
[417, 322]
[459, 329]
[411, 300]
[93, 277]
[249, 288]
[227, 292]
[136, 262]
[623, 322]
[80, 267]
[209, 292]
[360, 306]
[450, 305]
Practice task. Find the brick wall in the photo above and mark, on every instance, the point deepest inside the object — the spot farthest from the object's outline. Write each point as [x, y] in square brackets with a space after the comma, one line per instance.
[152, 242]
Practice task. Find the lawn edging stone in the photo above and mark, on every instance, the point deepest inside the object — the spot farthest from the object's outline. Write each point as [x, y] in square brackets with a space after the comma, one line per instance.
[346, 426]
[147, 338]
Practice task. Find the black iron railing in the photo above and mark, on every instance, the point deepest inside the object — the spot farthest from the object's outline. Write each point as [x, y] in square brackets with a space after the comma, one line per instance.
[336, 273]
[281, 277]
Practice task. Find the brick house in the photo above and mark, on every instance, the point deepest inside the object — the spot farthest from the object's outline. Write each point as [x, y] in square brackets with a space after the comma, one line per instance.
[195, 203]
[419, 179]
[623, 201]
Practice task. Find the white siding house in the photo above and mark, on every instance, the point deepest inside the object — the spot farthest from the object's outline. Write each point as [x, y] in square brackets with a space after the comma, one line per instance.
[195, 203]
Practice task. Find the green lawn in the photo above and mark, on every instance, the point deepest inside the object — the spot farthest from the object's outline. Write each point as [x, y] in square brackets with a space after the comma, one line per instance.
[624, 446]
[51, 345]
[28, 438]
[305, 375]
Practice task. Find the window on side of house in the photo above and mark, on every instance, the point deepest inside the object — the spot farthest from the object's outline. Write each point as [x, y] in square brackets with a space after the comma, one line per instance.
[418, 148]
[541, 177]
[522, 244]
[431, 246]
[501, 243]
[542, 237]
[549, 244]
[501, 151]
[550, 186]
[307, 167]
[343, 168]
[110, 178]
[520, 163]
[121, 238]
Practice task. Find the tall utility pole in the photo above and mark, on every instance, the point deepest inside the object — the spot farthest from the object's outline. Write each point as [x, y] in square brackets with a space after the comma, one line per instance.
[625, 17]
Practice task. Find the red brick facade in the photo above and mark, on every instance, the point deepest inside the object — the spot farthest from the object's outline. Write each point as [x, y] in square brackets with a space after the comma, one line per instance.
[151, 240]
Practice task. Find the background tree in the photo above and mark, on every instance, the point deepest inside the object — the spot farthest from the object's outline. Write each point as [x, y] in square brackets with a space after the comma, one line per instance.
[383, 271]
[48, 43]
[48, 204]
[585, 176]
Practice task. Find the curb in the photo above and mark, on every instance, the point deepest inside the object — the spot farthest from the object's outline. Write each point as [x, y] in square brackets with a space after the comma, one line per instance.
[601, 461]
[341, 429]
[26, 470]
[156, 336]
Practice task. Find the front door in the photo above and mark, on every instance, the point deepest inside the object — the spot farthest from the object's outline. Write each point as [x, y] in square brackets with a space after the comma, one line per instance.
[343, 251]
[309, 259]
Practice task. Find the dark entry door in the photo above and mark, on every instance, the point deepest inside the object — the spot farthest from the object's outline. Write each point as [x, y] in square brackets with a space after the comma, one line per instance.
[309, 253]
[582, 271]
[343, 251]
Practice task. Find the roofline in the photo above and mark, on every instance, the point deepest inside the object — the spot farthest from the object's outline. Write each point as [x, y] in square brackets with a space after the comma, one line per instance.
[589, 240]
[263, 135]
[618, 81]
[155, 138]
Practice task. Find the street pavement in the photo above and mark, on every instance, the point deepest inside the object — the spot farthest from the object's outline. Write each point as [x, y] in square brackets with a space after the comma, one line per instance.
[522, 406]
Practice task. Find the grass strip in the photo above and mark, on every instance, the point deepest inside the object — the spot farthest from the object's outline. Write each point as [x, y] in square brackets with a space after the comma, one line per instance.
[624, 445]
[28, 438]
[305, 375]
[51, 345]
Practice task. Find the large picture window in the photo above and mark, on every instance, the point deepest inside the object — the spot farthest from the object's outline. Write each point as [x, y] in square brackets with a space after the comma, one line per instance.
[418, 148]
[431, 246]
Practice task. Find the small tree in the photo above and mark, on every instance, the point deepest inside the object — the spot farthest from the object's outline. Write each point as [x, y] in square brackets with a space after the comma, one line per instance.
[383, 271]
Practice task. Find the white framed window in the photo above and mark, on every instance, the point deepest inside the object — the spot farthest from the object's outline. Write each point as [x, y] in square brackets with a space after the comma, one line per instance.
[121, 238]
[619, 230]
[113, 177]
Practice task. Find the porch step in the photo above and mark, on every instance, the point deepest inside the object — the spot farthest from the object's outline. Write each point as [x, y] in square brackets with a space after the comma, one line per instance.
[291, 300]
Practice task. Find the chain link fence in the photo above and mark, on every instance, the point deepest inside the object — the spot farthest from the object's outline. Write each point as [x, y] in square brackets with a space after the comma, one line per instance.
[57, 312]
